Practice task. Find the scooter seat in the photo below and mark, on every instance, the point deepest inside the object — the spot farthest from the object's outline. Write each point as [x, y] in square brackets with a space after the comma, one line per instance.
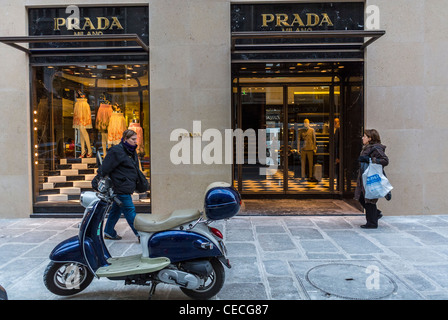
[155, 223]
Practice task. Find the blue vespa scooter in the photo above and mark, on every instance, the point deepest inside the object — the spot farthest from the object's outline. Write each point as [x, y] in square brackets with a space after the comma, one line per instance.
[182, 250]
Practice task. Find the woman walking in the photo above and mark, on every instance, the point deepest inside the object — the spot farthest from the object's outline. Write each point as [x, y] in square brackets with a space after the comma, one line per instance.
[372, 149]
[121, 164]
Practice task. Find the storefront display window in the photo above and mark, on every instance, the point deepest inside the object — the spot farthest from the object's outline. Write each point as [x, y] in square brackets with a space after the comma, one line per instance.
[314, 111]
[89, 81]
[79, 112]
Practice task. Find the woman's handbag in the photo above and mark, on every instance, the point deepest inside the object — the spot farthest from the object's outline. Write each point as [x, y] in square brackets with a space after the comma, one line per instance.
[376, 185]
[142, 182]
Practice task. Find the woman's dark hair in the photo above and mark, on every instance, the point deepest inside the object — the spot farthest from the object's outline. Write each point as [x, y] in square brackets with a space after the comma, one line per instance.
[373, 135]
[128, 133]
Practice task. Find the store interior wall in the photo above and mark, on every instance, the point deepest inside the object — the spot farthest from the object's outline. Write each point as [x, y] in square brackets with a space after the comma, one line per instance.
[406, 95]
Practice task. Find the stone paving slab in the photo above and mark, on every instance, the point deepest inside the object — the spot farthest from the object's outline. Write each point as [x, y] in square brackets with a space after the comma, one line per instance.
[272, 257]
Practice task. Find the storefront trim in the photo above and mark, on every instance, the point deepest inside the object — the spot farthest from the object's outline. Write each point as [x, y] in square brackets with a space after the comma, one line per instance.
[300, 48]
[12, 41]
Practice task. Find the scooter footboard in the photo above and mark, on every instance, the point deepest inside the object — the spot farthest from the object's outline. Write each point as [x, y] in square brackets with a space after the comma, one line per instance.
[181, 246]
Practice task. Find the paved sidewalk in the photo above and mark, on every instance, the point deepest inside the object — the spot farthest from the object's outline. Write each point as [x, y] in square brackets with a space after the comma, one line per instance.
[286, 257]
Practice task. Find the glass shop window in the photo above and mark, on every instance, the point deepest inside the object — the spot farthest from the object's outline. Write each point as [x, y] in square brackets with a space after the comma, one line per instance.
[79, 112]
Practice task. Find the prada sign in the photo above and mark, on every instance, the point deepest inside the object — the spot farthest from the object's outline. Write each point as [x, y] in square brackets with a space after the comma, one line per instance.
[87, 26]
[289, 22]
[298, 16]
[74, 20]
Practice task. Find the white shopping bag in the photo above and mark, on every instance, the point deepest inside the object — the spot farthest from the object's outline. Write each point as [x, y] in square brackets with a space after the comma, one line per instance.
[376, 185]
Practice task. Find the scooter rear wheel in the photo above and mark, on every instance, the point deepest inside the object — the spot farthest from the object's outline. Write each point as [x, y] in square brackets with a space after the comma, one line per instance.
[212, 284]
[67, 278]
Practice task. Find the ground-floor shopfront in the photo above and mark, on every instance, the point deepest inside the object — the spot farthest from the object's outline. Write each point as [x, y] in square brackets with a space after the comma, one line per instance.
[304, 77]
[310, 98]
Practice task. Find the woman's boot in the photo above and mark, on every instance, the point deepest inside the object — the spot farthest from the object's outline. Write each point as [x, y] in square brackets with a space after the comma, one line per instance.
[371, 216]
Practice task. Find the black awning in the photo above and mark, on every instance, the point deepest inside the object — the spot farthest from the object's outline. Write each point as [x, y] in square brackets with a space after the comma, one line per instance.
[54, 45]
[290, 45]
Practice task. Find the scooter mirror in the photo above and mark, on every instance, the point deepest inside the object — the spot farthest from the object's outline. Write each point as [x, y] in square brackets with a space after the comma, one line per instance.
[99, 161]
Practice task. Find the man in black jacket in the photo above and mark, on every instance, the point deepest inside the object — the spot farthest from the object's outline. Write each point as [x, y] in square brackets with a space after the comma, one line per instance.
[121, 164]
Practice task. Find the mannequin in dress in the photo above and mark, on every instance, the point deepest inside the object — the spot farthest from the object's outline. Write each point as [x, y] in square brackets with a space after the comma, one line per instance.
[82, 120]
[117, 125]
[135, 125]
[102, 121]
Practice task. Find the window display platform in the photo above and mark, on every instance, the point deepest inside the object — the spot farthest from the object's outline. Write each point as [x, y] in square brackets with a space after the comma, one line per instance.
[69, 179]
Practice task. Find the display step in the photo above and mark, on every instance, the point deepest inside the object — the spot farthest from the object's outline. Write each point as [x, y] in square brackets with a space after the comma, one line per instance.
[70, 178]
[61, 197]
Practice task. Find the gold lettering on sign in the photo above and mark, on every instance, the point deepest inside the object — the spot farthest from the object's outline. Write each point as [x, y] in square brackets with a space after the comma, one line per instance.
[297, 20]
[282, 19]
[294, 20]
[88, 24]
[102, 23]
[58, 22]
[266, 18]
[116, 23]
[326, 19]
[309, 20]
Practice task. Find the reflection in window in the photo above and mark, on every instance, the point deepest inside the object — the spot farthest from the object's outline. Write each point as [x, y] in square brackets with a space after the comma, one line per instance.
[79, 112]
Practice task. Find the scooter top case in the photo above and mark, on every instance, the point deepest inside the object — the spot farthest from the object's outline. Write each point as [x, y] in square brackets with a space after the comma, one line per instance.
[221, 201]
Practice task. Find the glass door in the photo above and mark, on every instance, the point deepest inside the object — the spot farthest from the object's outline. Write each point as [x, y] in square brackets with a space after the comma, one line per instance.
[260, 169]
[301, 125]
[310, 114]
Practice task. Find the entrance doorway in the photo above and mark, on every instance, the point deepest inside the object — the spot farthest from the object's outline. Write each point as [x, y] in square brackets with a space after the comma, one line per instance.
[315, 112]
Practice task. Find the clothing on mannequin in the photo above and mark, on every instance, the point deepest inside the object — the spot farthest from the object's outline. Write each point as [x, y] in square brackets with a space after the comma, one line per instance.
[337, 126]
[102, 122]
[307, 148]
[117, 125]
[82, 120]
[135, 125]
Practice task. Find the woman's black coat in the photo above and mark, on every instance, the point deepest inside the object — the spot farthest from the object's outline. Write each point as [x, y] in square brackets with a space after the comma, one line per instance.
[377, 153]
[121, 166]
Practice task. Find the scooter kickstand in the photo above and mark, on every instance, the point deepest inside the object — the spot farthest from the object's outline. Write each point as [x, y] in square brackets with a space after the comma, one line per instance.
[152, 289]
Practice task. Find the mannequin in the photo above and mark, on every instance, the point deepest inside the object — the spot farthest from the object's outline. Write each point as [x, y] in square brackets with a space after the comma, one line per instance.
[117, 125]
[135, 125]
[337, 126]
[82, 120]
[308, 148]
[102, 121]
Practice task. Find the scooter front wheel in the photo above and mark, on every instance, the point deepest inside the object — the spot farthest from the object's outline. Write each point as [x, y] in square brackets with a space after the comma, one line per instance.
[67, 278]
[212, 284]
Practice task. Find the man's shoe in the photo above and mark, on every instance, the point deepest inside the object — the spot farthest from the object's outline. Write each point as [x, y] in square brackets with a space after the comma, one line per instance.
[108, 237]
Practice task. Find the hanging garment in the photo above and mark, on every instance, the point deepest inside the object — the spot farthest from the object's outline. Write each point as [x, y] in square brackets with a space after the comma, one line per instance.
[103, 117]
[117, 125]
[82, 116]
[138, 129]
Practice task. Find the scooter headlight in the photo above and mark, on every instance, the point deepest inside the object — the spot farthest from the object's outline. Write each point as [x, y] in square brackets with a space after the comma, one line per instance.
[87, 198]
